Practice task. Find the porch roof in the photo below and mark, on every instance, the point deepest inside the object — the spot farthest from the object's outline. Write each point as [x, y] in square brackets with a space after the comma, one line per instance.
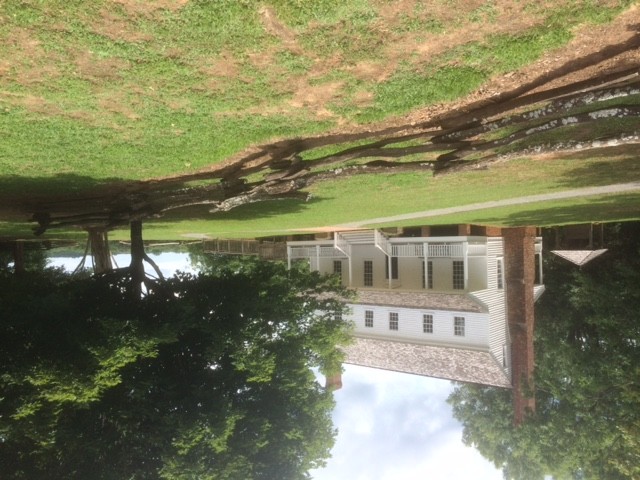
[579, 257]
[419, 299]
[439, 362]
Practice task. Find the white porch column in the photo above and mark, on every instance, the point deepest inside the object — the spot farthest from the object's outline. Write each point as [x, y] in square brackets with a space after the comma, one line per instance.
[350, 272]
[390, 273]
[425, 269]
[465, 249]
[540, 266]
[317, 258]
[288, 257]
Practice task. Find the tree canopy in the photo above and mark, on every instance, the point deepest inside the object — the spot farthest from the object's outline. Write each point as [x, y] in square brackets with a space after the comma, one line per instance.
[587, 421]
[206, 376]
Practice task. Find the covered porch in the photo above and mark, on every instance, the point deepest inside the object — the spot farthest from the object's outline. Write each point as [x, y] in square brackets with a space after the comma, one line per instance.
[414, 255]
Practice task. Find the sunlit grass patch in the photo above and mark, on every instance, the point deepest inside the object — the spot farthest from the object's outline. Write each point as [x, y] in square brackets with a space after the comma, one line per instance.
[105, 90]
[410, 88]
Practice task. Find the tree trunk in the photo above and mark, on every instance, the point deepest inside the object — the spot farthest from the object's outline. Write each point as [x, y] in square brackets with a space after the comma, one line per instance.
[99, 240]
[18, 257]
[137, 258]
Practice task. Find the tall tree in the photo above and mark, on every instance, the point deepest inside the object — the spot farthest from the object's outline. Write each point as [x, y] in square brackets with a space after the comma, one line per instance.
[19, 256]
[207, 377]
[588, 359]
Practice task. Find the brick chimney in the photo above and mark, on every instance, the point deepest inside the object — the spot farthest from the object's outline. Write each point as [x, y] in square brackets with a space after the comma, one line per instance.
[519, 254]
[333, 381]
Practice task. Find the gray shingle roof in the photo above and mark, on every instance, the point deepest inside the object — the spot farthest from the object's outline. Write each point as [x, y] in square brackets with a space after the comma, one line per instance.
[579, 257]
[419, 299]
[439, 362]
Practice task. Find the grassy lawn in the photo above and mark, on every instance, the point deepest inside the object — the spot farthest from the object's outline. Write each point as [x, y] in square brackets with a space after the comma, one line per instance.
[369, 196]
[99, 90]
[130, 90]
[600, 208]
[364, 197]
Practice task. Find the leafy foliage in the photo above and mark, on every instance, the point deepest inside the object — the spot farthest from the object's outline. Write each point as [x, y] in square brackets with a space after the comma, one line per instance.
[587, 392]
[206, 377]
[32, 258]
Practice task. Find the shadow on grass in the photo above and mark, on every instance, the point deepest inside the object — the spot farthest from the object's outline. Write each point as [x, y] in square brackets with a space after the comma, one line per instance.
[598, 209]
[15, 230]
[17, 188]
[602, 173]
[62, 203]
[263, 209]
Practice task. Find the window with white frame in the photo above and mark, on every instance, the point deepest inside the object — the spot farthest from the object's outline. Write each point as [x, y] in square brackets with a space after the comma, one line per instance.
[368, 318]
[337, 267]
[394, 268]
[368, 273]
[427, 323]
[499, 273]
[393, 321]
[458, 326]
[458, 275]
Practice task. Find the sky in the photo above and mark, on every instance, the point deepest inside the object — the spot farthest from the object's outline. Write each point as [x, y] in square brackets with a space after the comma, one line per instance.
[398, 426]
[391, 426]
[168, 263]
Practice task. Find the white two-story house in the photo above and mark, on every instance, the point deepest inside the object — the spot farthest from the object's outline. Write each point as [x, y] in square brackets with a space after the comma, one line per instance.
[433, 306]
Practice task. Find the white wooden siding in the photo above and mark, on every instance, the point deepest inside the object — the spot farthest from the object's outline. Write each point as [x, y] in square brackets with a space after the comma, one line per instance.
[368, 252]
[410, 326]
[477, 273]
[326, 266]
[409, 268]
[410, 273]
[442, 274]
[495, 301]
[494, 251]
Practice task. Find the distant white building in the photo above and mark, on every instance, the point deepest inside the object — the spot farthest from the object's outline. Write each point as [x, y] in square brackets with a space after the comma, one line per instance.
[433, 306]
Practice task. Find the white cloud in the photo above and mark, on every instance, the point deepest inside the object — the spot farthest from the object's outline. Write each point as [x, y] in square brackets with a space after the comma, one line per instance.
[397, 426]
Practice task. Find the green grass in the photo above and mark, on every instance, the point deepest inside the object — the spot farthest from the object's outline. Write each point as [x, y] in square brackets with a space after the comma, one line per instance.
[502, 53]
[184, 142]
[299, 13]
[484, 13]
[320, 152]
[410, 88]
[599, 208]
[462, 69]
[365, 197]
[578, 133]
[420, 24]
[99, 91]
[94, 92]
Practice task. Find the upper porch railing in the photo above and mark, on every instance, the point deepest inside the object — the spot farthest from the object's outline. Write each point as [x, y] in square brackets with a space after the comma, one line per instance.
[343, 244]
[445, 250]
[382, 242]
[437, 249]
[267, 250]
[538, 245]
[321, 251]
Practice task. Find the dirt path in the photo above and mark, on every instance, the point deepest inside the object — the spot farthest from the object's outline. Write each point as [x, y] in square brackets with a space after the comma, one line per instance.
[579, 192]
